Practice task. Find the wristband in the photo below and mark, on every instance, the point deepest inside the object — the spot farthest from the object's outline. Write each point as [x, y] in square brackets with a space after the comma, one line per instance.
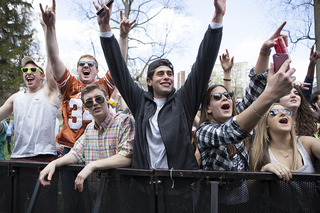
[227, 79]
[265, 52]
[113, 102]
[123, 35]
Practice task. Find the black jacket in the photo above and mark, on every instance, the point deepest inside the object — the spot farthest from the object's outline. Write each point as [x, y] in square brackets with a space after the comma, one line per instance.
[176, 116]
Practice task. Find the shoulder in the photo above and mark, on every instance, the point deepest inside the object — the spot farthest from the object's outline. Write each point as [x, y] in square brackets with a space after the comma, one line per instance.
[123, 118]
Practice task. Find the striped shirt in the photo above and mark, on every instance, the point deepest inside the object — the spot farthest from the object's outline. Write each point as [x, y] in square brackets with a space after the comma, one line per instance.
[114, 136]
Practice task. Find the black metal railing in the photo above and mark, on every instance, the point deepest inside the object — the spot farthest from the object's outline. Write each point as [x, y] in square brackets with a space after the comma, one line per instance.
[131, 190]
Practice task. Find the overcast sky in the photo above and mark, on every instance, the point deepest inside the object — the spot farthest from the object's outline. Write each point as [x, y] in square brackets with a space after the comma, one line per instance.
[246, 27]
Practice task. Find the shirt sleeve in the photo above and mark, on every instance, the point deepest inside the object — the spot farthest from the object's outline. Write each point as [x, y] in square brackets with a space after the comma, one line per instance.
[256, 87]
[77, 149]
[210, 134]
[126, 137]
[307, 93]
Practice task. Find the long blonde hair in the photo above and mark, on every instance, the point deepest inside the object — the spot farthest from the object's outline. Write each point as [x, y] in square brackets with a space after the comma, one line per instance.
[259, 153]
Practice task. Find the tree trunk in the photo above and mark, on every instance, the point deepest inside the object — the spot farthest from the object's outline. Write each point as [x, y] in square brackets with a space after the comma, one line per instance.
[317, 36]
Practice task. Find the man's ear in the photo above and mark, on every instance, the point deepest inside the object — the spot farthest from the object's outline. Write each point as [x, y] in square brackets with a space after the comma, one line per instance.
[149, 81]
[42, 76]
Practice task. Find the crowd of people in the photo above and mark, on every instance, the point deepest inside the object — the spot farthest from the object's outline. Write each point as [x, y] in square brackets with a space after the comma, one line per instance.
[275, 128]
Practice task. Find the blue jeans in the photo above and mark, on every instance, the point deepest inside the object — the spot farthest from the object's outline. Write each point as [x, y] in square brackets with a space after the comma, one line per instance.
[9, 143]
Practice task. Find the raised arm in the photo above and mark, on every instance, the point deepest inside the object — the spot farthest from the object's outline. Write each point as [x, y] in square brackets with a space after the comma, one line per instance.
[49, 18]
[125, 27]
[279, 84]
[263, 59]
[308, 82]
[226, 64]
[50, 87]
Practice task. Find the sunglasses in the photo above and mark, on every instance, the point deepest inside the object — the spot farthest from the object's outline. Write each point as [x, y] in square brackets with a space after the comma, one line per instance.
[90, 63]
[32, 69]
[89, 102]
[218, 96]
[275, 112]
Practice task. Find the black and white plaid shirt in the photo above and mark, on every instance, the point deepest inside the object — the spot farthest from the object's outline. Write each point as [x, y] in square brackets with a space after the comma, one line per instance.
[213, 138]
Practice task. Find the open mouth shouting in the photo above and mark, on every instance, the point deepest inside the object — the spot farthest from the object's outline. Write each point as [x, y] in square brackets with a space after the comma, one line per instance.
[86, 72]
[283, 120]
[225, 106]
[29, 78]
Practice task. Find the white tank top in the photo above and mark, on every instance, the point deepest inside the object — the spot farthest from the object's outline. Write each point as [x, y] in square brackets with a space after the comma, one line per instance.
[34, 123]
[307, 163]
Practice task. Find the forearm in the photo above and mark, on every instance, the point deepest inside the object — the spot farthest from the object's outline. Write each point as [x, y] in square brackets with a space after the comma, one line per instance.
[250, 117]
[65, 160]
[226, 82]
[217, 18]
[7, 108]
[123, 43]
[310, 72]
[57, 65]
[262, 62]
[115, 161]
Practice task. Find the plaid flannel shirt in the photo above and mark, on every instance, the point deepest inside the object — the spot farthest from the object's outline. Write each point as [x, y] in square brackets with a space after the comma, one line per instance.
[213, 138]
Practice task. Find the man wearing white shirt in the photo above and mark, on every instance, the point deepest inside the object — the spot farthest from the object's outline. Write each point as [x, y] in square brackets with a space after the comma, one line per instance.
[163, 115]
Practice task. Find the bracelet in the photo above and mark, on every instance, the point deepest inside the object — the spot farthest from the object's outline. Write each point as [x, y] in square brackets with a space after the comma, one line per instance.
[227, 79]
[256, 112]
[265, 52]
[123, 35]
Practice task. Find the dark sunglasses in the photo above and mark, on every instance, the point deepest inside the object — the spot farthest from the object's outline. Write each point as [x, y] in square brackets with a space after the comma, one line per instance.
[275, 112]
[218, 96]
[90, 63]
[32, 69]
[89, 102]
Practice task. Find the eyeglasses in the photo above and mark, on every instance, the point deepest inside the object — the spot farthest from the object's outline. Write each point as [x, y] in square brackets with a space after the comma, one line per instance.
[32, 69]
[275, 112]
[218, 96]
[89, 102]
[90, 63]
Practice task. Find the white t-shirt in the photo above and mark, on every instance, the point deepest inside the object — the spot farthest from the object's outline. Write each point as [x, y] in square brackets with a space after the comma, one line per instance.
[157, 150]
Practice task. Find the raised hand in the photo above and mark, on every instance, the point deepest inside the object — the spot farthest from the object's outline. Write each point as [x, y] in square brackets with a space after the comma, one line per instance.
[226, 62]
[268, 44]
[280, 83]
[104, 17]
[49, 15]
[314, 56]
[220, 10]
[220, 6]
[125, 25]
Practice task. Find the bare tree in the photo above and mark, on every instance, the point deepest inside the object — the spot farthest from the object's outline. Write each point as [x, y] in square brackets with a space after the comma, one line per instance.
[149, 38]
[304, 21]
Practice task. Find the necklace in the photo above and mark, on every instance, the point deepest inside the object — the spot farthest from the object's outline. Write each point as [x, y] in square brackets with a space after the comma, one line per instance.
[285, 156]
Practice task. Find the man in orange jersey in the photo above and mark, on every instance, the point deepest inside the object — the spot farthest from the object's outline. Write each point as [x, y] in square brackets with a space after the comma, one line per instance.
[75, 116]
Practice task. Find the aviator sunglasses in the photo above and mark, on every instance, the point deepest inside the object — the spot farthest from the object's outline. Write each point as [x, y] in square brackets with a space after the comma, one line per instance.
[275, 112]
[89, 102]
[32, 69]
[90, 63]
[218, 96]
